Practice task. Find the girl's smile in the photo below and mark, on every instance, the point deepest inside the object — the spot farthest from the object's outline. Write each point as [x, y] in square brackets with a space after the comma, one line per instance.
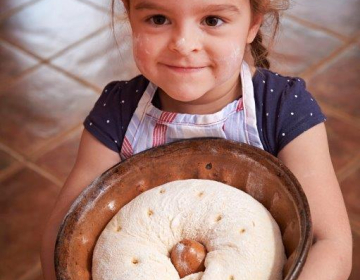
[185, 69]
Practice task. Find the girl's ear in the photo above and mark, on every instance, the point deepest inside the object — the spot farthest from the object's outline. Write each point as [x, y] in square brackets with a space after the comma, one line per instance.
[254, 27]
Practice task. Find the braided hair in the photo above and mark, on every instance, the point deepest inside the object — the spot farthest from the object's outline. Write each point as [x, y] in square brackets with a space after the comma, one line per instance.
[271, 10]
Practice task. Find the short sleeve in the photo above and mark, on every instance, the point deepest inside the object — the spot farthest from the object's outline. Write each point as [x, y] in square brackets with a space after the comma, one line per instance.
[104, 120]
[298, 111]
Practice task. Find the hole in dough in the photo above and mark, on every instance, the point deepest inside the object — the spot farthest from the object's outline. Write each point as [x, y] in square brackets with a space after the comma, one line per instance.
[242, 230]
[231, 277]
[200, 194]
[162, 191]
[150, 212]
[218, 218]
[118, 228]
[135, 261]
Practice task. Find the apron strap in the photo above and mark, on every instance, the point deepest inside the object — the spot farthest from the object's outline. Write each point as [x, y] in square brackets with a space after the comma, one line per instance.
[251, 131]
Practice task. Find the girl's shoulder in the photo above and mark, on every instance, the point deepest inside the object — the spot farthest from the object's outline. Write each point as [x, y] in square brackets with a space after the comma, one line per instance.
[266, 80]
[284, 108]
[126, 87]
[109, 118]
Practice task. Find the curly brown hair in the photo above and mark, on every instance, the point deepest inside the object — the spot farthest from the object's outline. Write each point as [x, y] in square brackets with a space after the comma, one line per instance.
[270, 9]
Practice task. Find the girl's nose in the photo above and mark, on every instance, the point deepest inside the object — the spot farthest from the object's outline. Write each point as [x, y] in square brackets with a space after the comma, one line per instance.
[185, 40]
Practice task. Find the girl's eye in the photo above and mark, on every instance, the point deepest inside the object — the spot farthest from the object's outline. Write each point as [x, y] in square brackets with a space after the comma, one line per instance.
[213, 21]
[157, 20]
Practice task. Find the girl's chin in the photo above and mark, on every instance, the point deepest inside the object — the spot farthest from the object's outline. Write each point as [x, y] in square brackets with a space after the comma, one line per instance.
[184, 96]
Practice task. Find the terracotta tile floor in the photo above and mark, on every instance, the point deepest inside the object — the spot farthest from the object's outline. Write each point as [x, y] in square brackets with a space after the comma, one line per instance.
[56, 56]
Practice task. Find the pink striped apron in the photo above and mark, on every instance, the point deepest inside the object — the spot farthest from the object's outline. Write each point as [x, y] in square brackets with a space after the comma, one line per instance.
[151, 127]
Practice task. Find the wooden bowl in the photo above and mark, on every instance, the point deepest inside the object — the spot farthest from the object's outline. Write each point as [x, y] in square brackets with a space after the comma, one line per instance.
[242, 166]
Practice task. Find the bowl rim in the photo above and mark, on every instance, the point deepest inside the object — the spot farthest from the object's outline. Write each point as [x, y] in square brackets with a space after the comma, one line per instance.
[301, 251]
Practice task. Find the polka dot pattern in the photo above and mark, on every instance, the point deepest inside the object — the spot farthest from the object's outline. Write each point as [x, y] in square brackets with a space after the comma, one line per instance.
[289, 110]
[284, 110]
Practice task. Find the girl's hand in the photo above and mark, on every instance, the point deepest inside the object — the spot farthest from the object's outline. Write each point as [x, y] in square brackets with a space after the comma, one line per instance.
[308, 157]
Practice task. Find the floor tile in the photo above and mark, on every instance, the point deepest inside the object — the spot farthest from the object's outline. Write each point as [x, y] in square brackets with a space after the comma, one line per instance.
[13, 62]
[339, 16]
[291, 55]
[99, 60]
[343, 141]
[6, 160]
[40, 277]
[26, 200]
[39, 107]
[7, 5]
[61, 159]
[355, 274]
[338, 83]
[47, 27]
[118, 5]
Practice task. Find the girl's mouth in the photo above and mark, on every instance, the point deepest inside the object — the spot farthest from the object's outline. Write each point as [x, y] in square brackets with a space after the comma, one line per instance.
[181, 69]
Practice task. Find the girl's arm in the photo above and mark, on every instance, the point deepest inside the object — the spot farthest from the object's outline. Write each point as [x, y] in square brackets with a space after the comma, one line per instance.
[307, 156]
[92, 160]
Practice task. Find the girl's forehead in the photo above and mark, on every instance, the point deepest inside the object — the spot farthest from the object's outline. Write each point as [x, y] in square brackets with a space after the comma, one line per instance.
[201, 5]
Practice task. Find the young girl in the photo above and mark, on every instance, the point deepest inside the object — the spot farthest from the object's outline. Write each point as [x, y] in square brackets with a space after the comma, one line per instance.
[204, 73]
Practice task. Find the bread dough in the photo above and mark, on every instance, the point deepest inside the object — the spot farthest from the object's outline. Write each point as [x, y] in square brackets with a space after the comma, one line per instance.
[242, 239]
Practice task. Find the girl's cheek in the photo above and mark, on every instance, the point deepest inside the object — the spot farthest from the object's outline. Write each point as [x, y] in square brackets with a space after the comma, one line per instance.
[230, 59]
[141, 51]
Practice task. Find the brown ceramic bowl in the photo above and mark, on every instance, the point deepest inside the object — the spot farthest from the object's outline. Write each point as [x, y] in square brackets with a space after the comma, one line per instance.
[242, 166]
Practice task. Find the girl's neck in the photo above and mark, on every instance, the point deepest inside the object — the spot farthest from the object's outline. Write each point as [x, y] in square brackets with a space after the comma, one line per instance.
[210, 103]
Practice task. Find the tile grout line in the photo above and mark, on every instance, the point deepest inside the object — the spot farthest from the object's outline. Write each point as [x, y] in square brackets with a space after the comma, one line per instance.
[48, 146]
[102, 9]
[310, 72]
[17, 9]
[98, 7]
[29, 162]
[20, 165]
[350, 168]
[11, 152]
[77, 43]
[83, 82]
[14, 167]
[47, 61]
[11, 81]
[11, 170]
[54, 142]
[60, 52]
[24, 162]
[316, 27]
[33, 272]
[19, 47]
[44, 173]
[82, 41]
[340, 115]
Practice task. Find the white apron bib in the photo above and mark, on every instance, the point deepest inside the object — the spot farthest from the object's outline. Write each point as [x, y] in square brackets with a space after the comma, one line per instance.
[151, 127]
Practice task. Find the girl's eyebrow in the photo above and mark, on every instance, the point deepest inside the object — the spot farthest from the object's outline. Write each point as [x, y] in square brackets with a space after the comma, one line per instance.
[145, 5]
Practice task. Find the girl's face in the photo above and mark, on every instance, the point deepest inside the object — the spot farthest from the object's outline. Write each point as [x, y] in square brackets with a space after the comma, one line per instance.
[191, 48]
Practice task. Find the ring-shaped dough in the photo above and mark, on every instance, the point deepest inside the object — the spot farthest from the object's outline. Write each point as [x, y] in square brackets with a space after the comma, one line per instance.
[242, 238]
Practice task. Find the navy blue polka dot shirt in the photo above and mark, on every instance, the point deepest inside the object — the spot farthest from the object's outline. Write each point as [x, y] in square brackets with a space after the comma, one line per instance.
[284, 110]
